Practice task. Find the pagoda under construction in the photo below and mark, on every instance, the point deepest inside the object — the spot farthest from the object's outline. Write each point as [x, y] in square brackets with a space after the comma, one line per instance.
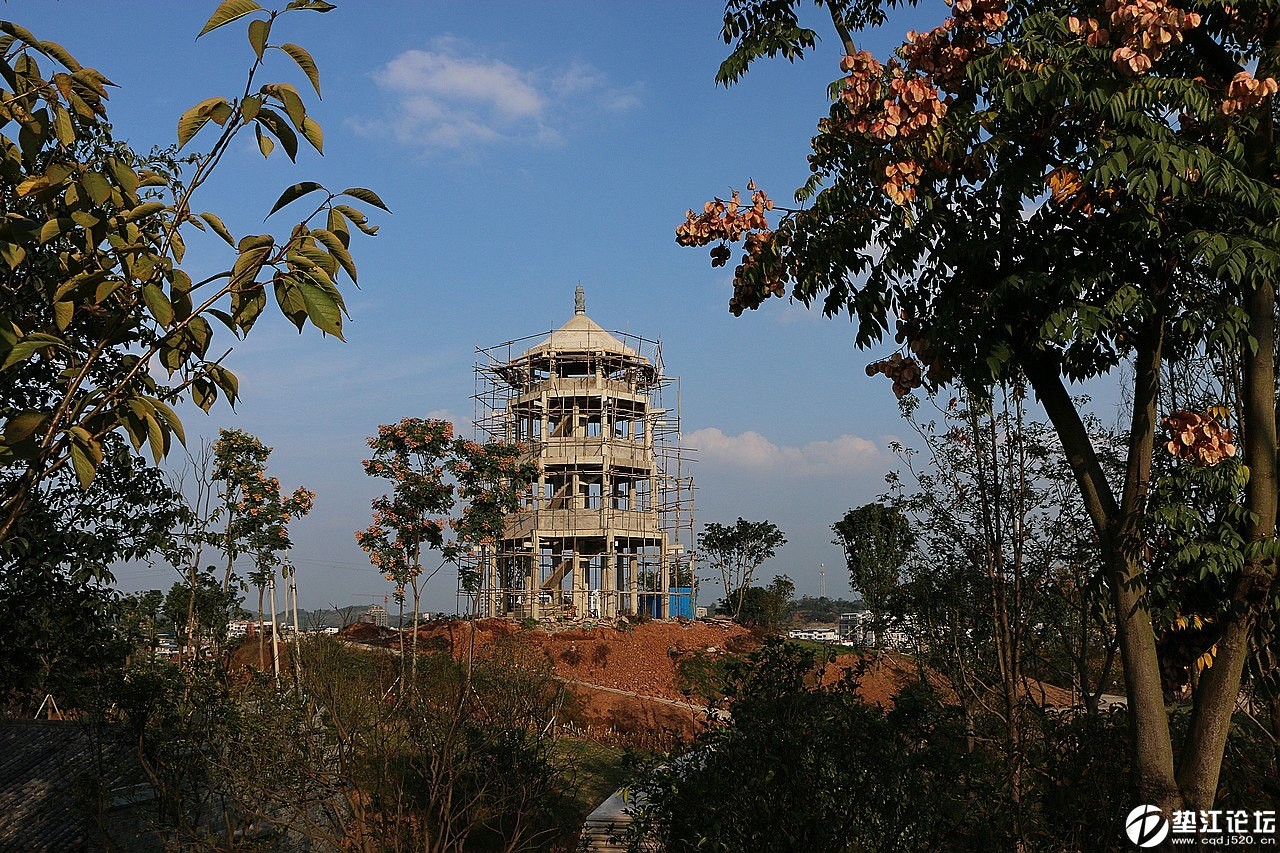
[606, 530]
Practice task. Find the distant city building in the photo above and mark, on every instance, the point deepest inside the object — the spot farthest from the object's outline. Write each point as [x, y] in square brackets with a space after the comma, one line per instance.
[850, 628]
[815, 635]
[857, 628]
[375, 615]
[241, 628]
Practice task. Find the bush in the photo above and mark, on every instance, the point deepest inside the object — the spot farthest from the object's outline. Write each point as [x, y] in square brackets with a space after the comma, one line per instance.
[802, 766]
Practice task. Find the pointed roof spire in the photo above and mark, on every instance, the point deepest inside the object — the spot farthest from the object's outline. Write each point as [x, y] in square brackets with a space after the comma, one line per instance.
[581, 334]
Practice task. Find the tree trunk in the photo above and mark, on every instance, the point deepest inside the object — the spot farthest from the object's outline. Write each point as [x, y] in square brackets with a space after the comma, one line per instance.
[1200, 763]
[1119, 532]
[413, 665]
[275, 635]
[297, 630]
[191, 618]
[262, 634]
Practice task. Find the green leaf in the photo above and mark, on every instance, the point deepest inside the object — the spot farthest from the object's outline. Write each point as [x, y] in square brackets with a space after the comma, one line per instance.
[126, 178]
[294, 193]
[356, 218]
[106, 289]
[63, 129]
[13, 254]
[264, 143]
[337, 249]
[311, 130]
[226, 380]
[83, 465]
[201, 333]
[322, 308]
[190, 122]
[246, 307]
[248, 264]
[305, 62]
[259, 29]
[97, 187]
[249, 107]
[170, 417]
[203, 394]
[279, 128]
[366, 196]
[290, 300]
[338, 225]
[58, 53]
[156, 438]
[224, 318]
[255, 241]
[147, 208]
[218, 227]
[54, 227]
[28, 345]
[228, 11]
[19, 32]
[22, 426]
[294, 109]
[62, 314]
[158, 304]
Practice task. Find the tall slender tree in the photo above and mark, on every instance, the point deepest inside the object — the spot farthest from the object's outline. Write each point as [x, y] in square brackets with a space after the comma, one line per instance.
[736, 551]
[877, 539]
[255, 518]
[410, 522]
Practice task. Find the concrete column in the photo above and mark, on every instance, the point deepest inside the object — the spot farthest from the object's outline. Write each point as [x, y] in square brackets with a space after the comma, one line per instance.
[534, 581]
[664, 575]
[581, 582]
[635, 584]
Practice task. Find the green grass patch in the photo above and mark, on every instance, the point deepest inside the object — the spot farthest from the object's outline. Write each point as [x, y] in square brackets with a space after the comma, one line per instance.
[599, 770]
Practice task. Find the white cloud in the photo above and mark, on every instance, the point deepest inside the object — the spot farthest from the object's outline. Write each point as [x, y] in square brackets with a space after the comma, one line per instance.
[752, 451]
[453, 97]
[448, 415]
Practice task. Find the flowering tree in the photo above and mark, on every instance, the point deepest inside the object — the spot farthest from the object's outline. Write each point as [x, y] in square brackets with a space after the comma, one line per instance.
[491, 478]
[412, 519]
[257, 518]
[422, 456]
[1054, 190]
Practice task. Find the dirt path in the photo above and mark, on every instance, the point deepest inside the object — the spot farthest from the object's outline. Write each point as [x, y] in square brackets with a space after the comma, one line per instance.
[697, 709]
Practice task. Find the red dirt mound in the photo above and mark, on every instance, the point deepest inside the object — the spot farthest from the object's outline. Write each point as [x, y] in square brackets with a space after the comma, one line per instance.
[883, 676]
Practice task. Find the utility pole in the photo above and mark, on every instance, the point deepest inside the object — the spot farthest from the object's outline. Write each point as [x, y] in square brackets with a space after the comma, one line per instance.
[822, 580]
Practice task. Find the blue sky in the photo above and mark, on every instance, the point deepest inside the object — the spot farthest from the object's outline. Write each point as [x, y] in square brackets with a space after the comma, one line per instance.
[524, 148]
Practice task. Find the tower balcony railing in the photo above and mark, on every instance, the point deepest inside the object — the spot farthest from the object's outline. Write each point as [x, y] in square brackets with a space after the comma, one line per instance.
[583, 386]
[633, 453]
[581, 522]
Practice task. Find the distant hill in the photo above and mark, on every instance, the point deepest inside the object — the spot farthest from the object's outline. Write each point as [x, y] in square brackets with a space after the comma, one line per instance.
[324, 618]
[345, 616]
[823, 610]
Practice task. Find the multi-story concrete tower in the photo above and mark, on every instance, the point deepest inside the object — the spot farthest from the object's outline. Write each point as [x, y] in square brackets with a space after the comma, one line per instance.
[607, 528]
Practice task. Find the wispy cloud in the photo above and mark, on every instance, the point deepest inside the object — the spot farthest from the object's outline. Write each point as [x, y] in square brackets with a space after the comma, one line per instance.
[753, 451]
[453, 97]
